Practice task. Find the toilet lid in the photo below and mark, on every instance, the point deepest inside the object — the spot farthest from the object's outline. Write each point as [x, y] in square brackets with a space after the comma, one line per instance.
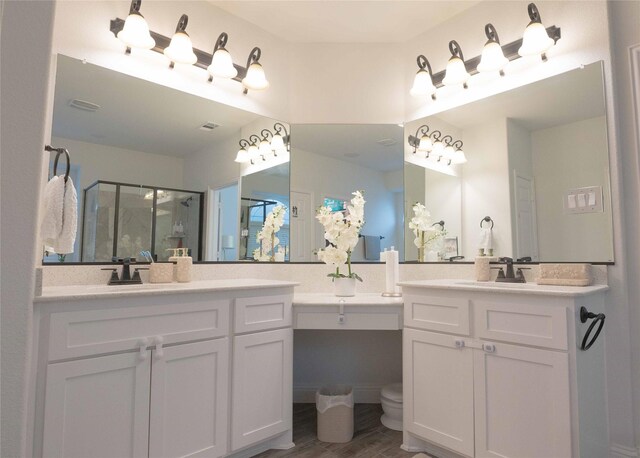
[393, 392]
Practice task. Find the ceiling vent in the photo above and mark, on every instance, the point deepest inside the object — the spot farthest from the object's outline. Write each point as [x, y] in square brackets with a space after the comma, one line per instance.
[209, 126]
[387, 142]
[84, 105]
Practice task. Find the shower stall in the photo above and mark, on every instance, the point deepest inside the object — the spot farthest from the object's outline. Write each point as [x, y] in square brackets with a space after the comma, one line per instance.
[122, 219]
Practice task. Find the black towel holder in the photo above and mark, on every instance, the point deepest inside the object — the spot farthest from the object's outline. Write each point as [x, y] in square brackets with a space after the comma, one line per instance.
[362, 236]
[60, 151]
[439, 223]
[486, 219]
[598, 318]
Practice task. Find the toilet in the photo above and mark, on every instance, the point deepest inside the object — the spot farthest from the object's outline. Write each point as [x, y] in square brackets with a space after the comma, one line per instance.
[391, 400]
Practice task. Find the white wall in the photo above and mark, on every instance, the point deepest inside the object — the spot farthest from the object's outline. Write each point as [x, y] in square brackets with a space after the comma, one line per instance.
[443, 198]
[212, 167]
[26, 108]
[558, 157]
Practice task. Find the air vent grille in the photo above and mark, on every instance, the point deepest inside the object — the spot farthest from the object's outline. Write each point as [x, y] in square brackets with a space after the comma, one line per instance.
[209, 126]
[387, 142]
[84, 105]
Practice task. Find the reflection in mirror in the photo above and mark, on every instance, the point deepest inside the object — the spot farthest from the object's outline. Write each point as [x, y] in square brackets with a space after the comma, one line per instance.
[153, 167]
[329, 162]
[538, 166]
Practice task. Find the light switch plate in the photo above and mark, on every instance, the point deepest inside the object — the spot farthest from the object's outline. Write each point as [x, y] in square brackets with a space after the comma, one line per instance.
[583, 200]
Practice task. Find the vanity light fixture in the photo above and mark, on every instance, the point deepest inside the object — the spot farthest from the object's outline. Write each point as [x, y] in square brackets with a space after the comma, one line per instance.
[437, 148]
[422, 141]
[255, 78]
[221, 61]
[254, 149]
[536, 40]
[265, 144]
[278, 139]
[135, 32]
[492, 59]
[456, 72]
[459, 156]
[180, 49]
[243, 154]
[422, 83]
[268, 145]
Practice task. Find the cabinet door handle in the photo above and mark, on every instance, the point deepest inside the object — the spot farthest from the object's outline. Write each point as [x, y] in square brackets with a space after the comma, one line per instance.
[159, 353]
[489, 348]
[459, 343]
[142, 348]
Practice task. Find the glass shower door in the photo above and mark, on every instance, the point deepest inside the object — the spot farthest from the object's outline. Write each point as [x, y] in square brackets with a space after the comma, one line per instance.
[177, 223]
[135, 221]
[98, 222]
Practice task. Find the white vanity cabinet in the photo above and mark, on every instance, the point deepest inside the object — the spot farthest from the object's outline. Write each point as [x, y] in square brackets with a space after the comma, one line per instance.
[150, 376]
[494, 374]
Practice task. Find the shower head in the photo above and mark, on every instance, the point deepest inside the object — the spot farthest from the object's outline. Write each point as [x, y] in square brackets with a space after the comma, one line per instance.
[186, 201]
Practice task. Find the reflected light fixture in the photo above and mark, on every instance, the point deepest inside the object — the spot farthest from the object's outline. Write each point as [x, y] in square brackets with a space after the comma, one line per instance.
[456, 72]
[422, 140]
[423, 83]
[180, 50]
[267, 146]
[448, 152]
[536, 40]
[492, 59]
[135, 33]
[255, 151]
[459, 156]
[278, 139]
[221, 61]
[243, 154]
[255, 78]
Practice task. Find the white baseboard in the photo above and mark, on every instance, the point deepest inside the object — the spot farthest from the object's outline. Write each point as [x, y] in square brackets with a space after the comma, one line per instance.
[622, 451]
[362, 394]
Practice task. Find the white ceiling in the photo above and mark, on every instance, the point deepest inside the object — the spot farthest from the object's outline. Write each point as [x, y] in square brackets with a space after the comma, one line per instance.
[352, 21]
[355, 143]
[136, 114]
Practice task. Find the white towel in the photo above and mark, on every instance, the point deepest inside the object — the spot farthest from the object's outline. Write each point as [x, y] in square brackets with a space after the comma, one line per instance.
[60, 215]
[486, 239]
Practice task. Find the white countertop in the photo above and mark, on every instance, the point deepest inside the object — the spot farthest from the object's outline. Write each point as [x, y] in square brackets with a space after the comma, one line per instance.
[77, 292]
[512, 288]
[360, 299]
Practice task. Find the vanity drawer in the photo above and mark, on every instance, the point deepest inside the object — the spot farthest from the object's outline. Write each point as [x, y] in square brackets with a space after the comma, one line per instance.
[434, 313]
[353, 318]
[261, 313]
[92, 332]
[537, 325]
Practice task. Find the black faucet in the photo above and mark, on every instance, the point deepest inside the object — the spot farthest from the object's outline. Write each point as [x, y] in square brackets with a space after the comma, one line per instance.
[509, 276]
[126, 278]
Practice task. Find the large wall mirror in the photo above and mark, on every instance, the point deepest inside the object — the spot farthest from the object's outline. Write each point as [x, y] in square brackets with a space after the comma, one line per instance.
[537, 167]
[154, 168]
[328, 163]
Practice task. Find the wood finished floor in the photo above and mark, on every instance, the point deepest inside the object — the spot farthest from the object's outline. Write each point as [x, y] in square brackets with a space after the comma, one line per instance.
[370, 438]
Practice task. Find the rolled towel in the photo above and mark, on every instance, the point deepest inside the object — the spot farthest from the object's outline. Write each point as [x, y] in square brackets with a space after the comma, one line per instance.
[486, 239]
[59, 223]
[67, 237]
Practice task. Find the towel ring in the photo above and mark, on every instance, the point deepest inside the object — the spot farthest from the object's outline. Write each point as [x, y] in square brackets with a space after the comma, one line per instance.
[486, 219]
[59, 151]
[439, 223]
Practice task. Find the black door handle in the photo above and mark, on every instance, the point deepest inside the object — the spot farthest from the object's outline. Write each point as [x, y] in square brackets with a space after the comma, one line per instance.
[599, 318]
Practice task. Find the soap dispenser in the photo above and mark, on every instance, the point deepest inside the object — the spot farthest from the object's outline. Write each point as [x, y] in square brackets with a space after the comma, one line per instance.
[184, 266]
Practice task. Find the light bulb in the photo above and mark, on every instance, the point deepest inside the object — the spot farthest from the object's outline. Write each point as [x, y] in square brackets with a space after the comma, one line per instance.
[425, 144]
[438, 149]
[222, 65]
[535, 40]
[456, 72]
[493, 59]
[448, 152]
[255, 79]
[242, 156]
[277, 143]
[422, 84]
[180, 49]
[265, 148]
[135, 33]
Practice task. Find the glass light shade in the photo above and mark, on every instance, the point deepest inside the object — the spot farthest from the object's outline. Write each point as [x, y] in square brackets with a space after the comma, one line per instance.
[438, 150]
[255, 78]
[448, 152]
[422, 84]
[265, 148]
[180, 50]
[459, 157]
[253, 151]
[135, 33]
[277, 143]
[425, 144]
[535, 40]
[222, 65]
[242, 156]
[492, 59]
[456, 72]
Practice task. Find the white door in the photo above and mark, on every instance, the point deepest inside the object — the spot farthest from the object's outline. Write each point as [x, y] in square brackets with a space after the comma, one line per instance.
[189, 402]
[302, 220]
[438, 389]
[526, 229]
[522, 403]
[262, 386]
[97, 407]
[222, 223]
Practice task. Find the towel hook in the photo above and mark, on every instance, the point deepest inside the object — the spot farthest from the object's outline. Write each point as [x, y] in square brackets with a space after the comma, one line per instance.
[59, 151]
[486, 219]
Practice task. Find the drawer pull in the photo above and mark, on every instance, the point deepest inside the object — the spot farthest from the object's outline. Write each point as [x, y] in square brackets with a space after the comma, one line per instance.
[341, 314]
[459, 343]
[142, 345]
[159, 353]
[489, 348]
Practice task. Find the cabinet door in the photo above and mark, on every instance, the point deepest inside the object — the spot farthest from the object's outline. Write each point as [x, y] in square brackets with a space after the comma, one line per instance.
[438, 389]
[189, 400]
[522, 402]
[262, 386]
[97, 407]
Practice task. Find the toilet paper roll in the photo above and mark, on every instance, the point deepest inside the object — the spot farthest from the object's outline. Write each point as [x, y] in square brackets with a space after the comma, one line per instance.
[392, 271]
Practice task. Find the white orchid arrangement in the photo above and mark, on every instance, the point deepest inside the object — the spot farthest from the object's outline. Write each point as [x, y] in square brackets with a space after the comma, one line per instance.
[342, 232]
[426, 235]
[267, 238]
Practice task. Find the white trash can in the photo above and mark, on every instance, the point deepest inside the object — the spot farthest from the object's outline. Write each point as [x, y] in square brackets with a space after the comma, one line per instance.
[335, 413]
